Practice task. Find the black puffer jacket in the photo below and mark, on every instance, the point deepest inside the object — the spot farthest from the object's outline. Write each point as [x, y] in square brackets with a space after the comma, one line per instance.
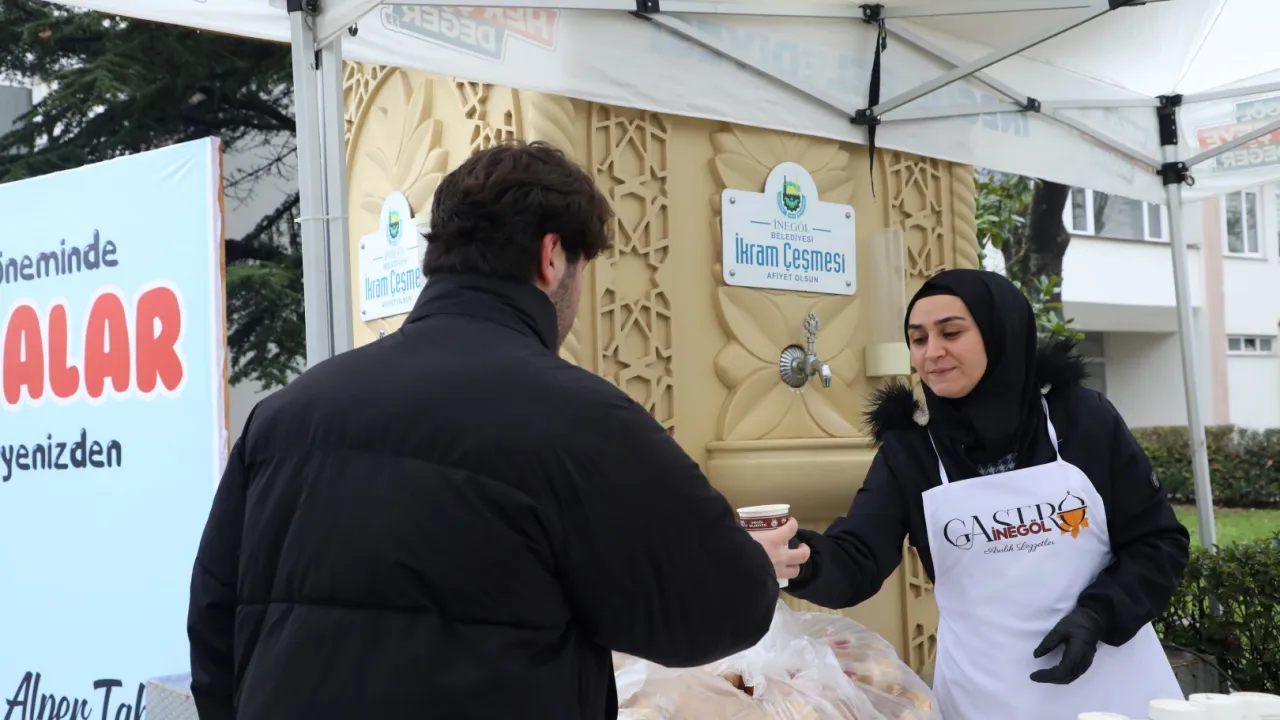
[453, 522]
[853, 558]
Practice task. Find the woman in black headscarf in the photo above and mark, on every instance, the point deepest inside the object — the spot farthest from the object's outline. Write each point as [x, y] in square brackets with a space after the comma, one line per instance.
[1048, 537]
[997, 425]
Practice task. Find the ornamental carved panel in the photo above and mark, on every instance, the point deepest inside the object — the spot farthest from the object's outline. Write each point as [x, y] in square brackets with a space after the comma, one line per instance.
[920, 613]
[915, 203]
[964, 216]
[933, 201]
[633, 326]
[487, 127]
[760, 323]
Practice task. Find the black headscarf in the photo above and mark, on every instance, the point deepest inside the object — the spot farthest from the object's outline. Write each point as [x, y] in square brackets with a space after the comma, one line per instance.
[1000, 422]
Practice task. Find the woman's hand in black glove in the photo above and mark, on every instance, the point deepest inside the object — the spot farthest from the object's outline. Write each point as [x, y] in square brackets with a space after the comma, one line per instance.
[1078, 633]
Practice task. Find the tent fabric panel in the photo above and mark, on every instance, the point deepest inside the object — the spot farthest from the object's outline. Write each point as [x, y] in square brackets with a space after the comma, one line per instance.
[615, 58]
[619, 59]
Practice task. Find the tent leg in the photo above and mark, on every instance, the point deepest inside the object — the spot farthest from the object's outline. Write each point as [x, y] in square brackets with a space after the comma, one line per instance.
[333, 129]
[1190, 374]
[311, 198]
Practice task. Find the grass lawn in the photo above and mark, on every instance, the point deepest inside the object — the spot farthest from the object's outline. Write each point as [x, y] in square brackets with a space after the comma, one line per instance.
[1234, 525]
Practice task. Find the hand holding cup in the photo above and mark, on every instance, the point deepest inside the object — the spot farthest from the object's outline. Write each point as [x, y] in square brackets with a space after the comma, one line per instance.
[773, 527]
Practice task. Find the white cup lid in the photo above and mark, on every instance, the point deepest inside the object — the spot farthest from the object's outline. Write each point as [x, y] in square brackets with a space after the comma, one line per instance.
[1175, 710]
[1203, 698]
[1258, 702]
[764, 511]
[1218, 706]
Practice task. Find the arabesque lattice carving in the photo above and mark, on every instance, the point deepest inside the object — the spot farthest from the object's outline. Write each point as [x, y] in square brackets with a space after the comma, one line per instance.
[633, 331]
[473, 98]
[359, 82]
[915, 204]
[920, 612]
[760, 323]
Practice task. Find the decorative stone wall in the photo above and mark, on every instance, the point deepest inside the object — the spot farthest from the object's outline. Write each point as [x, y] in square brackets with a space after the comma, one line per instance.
[656, 319]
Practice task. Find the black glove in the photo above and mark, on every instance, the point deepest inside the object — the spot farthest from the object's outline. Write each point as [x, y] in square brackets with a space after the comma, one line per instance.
[1078, 633]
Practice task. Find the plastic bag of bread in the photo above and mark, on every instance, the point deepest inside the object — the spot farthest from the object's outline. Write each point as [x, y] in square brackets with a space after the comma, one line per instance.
[651, 692]
[807, 667]
[872, 664]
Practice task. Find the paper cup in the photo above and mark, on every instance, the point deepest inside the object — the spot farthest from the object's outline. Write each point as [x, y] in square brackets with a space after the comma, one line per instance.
[765, 517]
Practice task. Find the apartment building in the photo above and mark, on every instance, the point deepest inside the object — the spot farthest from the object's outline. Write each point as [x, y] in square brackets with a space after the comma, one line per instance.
[1118, 287]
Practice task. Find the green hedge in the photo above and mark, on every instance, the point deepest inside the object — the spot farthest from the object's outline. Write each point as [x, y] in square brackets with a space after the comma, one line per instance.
[1244, 464]
[1243, 633]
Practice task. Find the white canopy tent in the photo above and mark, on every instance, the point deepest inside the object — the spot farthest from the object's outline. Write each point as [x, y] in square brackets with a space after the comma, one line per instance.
[1120, 96]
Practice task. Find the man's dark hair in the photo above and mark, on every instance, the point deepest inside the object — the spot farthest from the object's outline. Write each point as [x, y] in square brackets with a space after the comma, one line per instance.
[489, 216]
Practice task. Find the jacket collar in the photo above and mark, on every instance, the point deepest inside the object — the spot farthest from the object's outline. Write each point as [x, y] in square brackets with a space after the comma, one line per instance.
[518, 306]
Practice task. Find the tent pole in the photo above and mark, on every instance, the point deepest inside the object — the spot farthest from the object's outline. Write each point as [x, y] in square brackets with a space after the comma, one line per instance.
[1230, 93]
[333, 130]
[1174, 174]
[1099, 103]
[1021, 102]
[940, 52]
[1227, 147]
[974, 7]
[951, 111]
[968, 68]
[311, 191]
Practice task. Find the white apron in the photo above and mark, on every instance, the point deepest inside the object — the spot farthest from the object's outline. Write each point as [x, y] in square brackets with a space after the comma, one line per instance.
[1011, 554]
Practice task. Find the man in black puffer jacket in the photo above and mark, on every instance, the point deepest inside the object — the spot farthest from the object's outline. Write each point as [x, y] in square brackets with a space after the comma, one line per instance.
[453, 522]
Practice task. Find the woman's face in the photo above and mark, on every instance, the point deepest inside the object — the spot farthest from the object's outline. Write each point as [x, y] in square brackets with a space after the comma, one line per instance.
[946, 345]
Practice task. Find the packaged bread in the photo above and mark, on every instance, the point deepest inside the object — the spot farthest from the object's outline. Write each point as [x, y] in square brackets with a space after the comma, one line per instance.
[809, 666]
[666, 694]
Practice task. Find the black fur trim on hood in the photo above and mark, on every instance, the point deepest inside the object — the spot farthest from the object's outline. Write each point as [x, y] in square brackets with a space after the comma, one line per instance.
[894, 406]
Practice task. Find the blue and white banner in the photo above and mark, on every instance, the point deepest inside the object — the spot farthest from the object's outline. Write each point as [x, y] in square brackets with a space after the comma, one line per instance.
[113, 428]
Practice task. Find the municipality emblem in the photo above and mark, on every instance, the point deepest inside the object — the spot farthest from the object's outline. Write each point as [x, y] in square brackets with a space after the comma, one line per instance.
[791, 200]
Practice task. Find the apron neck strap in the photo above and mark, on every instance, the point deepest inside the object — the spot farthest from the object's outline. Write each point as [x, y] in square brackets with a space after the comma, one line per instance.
[1048, 421]
[1053, 434]
[942, 471]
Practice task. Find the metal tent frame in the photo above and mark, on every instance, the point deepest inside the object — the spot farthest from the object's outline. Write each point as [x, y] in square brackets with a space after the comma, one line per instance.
[316, 33]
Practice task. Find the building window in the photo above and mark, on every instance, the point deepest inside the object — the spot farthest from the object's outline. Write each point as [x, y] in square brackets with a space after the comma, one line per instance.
[1250, 345]
[1090, 350]
[1242, 221]
[1096, 213]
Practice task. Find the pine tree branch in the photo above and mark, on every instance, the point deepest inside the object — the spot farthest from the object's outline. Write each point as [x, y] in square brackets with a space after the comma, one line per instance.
[259, 243]
[119, 86]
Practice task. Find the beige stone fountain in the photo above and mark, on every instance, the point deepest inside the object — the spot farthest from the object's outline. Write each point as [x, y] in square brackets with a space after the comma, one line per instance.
[657, 319]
